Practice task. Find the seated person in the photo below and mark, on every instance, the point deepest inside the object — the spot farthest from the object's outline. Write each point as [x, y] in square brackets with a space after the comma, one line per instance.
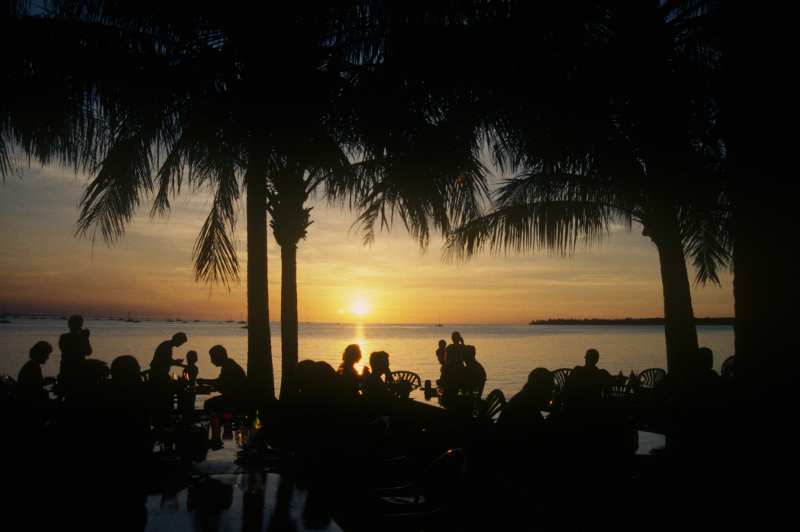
[349, 377]
[586, 383]
[522, 415]
[380, 391]
[231, 383]
[127, 399]
[30, 380]
[36, 404]
[474, 377]
[191, 370]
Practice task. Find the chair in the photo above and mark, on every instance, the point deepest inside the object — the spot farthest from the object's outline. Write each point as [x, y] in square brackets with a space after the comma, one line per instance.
[560, 377]
[145, 375]
[437, 486]
[726, 371]
[495, 401]
[651, 377]
[619, 392]
[408, 376]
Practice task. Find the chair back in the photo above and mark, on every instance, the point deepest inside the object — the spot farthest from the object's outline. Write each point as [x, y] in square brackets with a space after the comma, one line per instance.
[495, 401]
[726, 370]
[379, 428]
[619, 391]
[145, 375]
[8, 386]
[408, 376]
[560, 377]
[440, 482]
[651, 377]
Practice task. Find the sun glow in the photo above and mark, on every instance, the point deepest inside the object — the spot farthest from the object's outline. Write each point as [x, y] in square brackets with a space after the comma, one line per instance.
[359, 308]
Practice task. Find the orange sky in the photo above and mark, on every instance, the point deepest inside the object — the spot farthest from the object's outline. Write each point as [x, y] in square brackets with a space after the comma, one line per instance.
[45, 269]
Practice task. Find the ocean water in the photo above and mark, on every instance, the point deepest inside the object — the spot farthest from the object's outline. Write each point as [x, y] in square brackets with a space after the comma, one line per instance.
[508, 352]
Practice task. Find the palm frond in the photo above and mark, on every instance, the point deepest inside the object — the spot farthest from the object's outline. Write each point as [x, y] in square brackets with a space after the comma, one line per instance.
[707, 242]
[555, 226]
[214, 252]
[112, 197]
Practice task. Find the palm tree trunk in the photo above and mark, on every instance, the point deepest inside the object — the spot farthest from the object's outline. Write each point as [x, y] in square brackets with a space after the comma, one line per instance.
[761, 114]
[290, 219]
[259, 346]
[289, 325]
[679, 325]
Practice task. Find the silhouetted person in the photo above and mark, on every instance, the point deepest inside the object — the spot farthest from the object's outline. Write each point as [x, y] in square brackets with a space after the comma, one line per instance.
[458, 342]
[162, 359]
[35, 399]
[440, 352]
[231, 383]
[378, 386]
[474, 377]
[191, 370]
[30, 380]
[349, 377]
[452, 374]
[75, 347]
[132, 412]
[521, 418]
[586, 383]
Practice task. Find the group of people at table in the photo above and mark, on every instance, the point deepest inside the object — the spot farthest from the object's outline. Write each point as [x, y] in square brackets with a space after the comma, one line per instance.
[328, 421]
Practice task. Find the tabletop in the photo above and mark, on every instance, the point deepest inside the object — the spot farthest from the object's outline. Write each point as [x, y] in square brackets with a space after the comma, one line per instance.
[229, 486]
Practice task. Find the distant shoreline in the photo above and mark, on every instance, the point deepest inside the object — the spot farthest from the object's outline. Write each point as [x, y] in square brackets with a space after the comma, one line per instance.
[629, 321]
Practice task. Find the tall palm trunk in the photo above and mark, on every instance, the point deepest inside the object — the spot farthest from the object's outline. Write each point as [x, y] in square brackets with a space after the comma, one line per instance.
[259, 346]
[289, 325]
[679, 326]
[290, 219]
[761, 115]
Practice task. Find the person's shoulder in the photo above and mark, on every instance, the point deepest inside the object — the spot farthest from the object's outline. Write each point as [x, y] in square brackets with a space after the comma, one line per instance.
[28, 367]
[235, 365]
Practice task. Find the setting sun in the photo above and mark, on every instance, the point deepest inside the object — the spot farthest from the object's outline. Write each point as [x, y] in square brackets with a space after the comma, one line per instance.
[359, 308]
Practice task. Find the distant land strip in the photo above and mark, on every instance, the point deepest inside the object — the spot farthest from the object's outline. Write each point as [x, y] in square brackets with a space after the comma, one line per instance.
[629, 321]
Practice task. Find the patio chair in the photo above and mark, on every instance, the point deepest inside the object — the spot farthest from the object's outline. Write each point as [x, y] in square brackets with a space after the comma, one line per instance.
[495, 401]
[437, 486]
[619, 392]
[408, 376]
[651, 377]
[726, 371]
[560, 377]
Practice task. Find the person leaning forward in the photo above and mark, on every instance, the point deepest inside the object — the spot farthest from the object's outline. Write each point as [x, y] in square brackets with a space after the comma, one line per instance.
[231, 383]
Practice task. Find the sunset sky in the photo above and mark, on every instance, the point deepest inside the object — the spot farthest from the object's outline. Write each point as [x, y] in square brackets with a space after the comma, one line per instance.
[45, 269]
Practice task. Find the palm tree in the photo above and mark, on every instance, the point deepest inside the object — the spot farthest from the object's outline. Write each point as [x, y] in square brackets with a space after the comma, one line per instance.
[759, 112]
[621, 127]
[218, 102]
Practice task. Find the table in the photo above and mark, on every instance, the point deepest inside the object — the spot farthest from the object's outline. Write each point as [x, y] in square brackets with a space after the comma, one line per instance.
[263, 495]
[265, 500]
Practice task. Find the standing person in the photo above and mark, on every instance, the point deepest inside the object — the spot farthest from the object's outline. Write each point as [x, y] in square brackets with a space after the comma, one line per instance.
[452, 374]
[440, 352]
[231, 383]
[474, 377]
[75, 347]
[162, 359]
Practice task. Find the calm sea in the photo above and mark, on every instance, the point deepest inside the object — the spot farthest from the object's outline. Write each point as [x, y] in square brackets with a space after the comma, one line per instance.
[508, 352]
